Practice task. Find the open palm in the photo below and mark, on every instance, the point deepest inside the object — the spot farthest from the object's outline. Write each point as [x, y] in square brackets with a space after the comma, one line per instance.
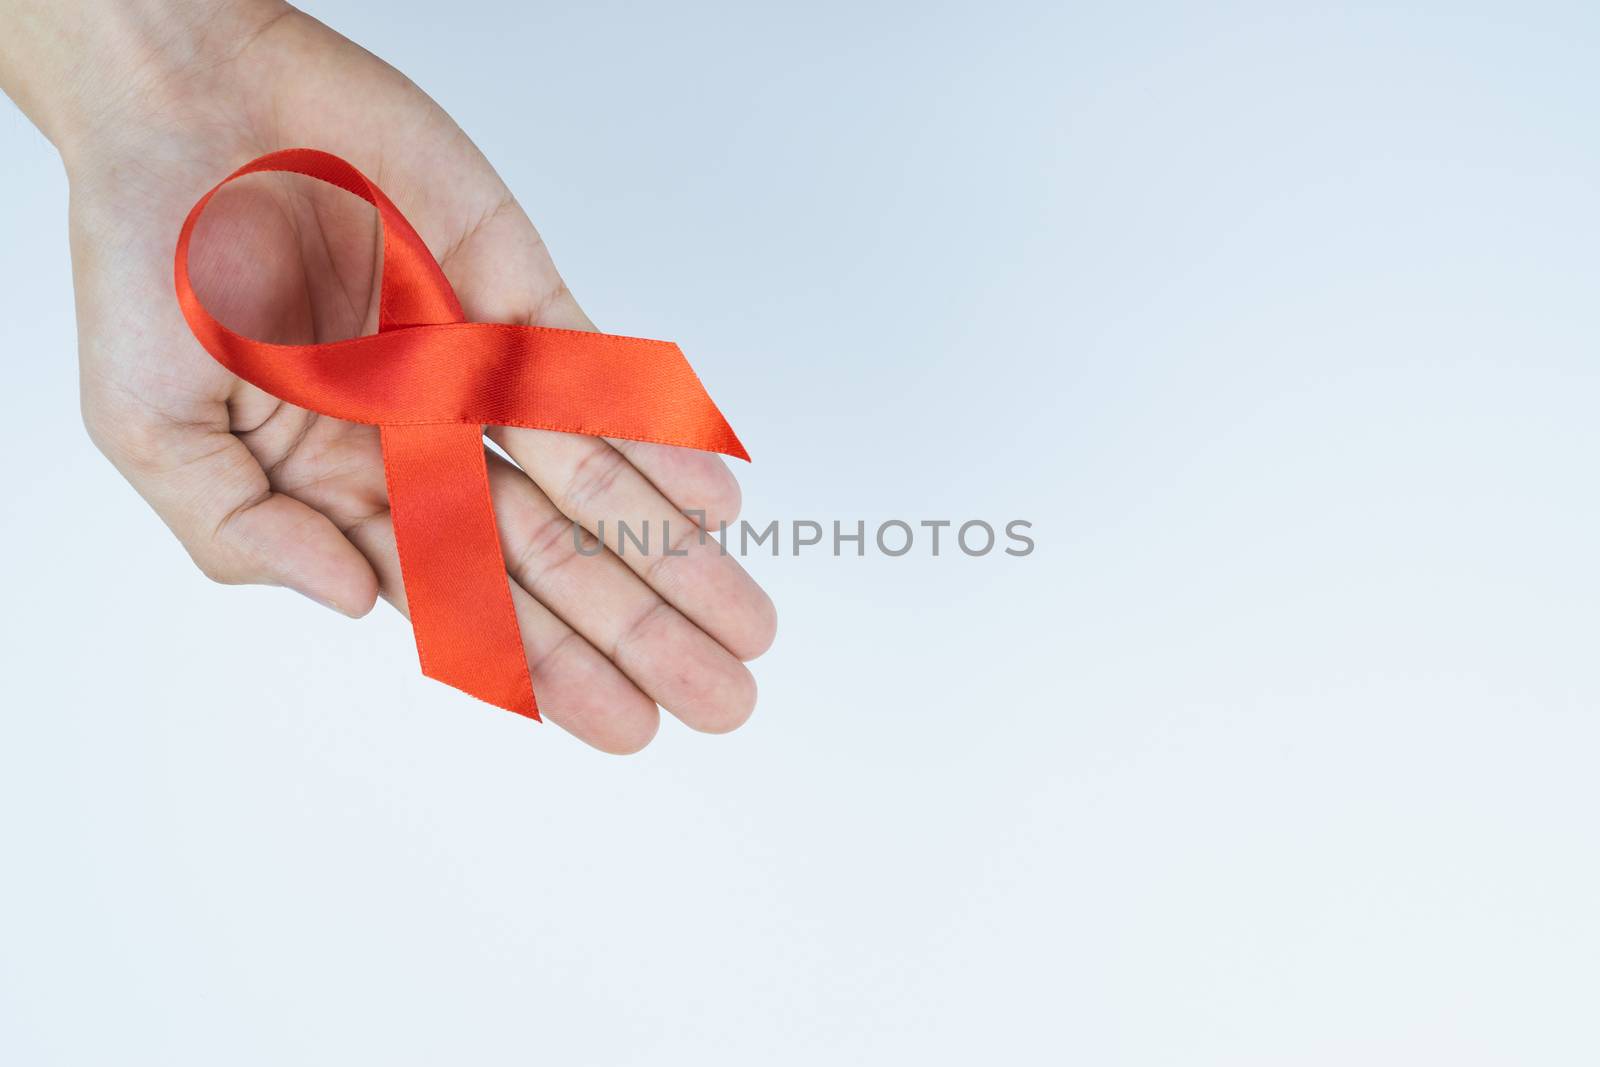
[260, 491]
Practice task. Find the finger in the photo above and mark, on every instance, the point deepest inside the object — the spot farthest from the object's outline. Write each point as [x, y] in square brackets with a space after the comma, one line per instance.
[578, 688]
[594, 484]
[281, 541]
[503, 273]
[213, 494]
[699, 484]
[695, 481]
[673, 661]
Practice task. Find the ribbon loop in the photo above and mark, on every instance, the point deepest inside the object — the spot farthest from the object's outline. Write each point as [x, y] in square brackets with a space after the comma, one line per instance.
[432, 381]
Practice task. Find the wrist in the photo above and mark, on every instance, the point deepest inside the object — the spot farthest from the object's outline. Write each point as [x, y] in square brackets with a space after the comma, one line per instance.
[94, 74]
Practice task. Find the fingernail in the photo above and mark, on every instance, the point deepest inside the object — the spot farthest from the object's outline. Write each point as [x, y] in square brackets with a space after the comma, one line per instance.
[330, 605]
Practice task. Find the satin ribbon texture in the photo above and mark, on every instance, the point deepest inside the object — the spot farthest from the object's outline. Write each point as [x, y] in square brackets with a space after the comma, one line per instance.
[431, 382]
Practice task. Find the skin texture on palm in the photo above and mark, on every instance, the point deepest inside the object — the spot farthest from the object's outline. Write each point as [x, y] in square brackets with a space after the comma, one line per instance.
[260, 491]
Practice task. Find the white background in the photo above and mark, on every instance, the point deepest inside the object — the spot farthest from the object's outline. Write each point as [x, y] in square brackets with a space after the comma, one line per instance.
[1278, 321]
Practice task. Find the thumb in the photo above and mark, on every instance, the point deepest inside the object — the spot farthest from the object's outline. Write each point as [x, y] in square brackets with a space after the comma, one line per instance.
[212, 493]
[277, 540]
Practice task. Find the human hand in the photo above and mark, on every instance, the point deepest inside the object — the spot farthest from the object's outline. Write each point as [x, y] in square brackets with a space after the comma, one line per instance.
[259, 491]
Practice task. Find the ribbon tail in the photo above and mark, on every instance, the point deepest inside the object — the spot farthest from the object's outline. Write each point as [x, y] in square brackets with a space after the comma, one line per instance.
[457, 591]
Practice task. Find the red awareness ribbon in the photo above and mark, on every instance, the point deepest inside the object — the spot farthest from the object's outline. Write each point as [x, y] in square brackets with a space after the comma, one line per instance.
[431, 382]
